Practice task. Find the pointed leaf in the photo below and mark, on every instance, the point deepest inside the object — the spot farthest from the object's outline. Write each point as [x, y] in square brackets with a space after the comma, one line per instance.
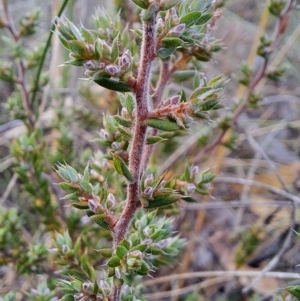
[113, 262]
[123, 121]
[121, 251]
[191, 18]
[121, 167]
[154, 139]
[112, 84]
[163, 53]
[162, 124]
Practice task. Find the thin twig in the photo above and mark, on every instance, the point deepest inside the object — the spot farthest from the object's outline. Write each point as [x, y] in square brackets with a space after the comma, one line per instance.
[270, 188]
[234, 273]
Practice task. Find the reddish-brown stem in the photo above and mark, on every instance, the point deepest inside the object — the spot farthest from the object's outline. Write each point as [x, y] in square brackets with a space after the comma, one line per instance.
[21, 69]
[137, 147]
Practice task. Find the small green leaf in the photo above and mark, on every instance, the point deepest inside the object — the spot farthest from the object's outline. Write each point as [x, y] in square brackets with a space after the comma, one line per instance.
[191, 18]
[80, 205]
[125, 243]
[123, 121]
[115, 49]
[63, 41]
[77, 48]
[107, 253]
[163, 200]
[167, 4]
[164, 53]
[121, 251]
[100, 220]
[128, 279]
[68, 187]
[162, 124]
[189, 199]
[180, 76]
[204, 19]
[144, 269]
[85, 186]
[141, 3]
[72, 196]
[113, 262]
[125, 133]
[121, 167]
[87, 35]
[294, 290]
[112, 84]
[86, 174]
[154, 139]
[170, 42]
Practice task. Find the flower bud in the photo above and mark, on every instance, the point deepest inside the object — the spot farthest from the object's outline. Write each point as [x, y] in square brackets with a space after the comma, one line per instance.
[99, 297]
[190, 187]
[78, 296]
[194, 170]
[112, 70]
[149, 179]
[89, 65]
[177, 30]
[115, 145]
[125, 60]
[147, 231]
[134, 260]
[175, 19]
[65, 248]
[111, 200]
[94, 205]
[174, 100]
[86, 286]
[162, 184]
[148, 191]
[103, 133]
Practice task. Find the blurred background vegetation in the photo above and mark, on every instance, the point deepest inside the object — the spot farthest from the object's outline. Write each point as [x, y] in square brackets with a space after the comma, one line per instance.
[237, 226]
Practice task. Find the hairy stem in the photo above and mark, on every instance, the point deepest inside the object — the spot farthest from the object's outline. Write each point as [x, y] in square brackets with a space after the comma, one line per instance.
[142, 101]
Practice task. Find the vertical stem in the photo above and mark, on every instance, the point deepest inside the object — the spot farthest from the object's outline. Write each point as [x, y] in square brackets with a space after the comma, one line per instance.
[137, 147]
[21, 69]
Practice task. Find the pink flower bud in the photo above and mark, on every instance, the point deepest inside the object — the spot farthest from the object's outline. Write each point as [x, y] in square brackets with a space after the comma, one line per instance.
[89, 65]
[94, 205]
[111, 199]
[174, 100]
[190, 187]
[149, 179]
[112, 70]
[194, 170]
[125, 60]
[148, 191]
[177, 30]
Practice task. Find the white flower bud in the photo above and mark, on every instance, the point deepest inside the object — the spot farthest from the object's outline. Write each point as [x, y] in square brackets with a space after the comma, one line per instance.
[190, 187]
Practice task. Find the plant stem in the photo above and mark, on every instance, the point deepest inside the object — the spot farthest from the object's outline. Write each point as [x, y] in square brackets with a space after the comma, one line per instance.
[47, 46]
[9, 24]
[141, 90]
